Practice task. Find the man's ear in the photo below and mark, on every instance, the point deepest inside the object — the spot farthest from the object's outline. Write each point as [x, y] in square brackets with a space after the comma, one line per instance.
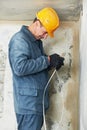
[38, 23]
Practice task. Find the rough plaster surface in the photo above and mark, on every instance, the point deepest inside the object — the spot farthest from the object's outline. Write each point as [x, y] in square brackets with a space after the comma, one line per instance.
[64, 108]
[2, 72]
[26, 10]
[63, 111]
[83, 68]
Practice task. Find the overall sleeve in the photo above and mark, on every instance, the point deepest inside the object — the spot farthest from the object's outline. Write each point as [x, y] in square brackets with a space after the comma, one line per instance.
[21, 60]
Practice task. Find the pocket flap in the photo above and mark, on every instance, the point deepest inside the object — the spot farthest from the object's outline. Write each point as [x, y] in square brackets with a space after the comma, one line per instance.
[28, 91]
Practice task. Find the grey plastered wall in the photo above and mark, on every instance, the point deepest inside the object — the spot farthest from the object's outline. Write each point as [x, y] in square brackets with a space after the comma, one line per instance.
[64, 91]
[25, 10]
[2, 73]
[63, 112]
[64, 88]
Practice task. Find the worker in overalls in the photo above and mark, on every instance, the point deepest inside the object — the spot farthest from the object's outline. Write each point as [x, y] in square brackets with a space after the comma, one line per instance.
[30, 66]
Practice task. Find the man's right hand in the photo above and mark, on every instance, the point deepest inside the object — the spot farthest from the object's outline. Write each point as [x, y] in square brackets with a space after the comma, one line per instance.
[56, 61]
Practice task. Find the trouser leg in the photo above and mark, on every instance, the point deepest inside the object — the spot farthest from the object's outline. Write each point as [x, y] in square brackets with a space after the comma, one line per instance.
[29, 122]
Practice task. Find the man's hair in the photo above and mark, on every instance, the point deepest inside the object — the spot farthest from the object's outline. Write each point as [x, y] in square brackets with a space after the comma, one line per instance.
[35, 20]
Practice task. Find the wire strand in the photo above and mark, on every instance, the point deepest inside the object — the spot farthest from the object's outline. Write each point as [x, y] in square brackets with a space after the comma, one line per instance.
[45, 128]
[44, 96]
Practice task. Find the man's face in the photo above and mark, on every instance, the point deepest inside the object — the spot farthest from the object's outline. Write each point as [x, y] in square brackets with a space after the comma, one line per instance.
[41, 32]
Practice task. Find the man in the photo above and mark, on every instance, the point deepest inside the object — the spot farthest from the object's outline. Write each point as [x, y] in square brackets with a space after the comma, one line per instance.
[30, 67]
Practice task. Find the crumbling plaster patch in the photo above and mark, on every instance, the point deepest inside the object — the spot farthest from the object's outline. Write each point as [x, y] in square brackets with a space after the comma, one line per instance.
[64, 91]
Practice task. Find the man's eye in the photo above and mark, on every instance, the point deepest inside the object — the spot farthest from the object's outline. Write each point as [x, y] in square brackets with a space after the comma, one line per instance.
[45, 33]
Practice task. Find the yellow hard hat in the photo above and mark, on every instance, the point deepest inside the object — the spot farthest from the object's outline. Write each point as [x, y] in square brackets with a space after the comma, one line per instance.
[49, 19]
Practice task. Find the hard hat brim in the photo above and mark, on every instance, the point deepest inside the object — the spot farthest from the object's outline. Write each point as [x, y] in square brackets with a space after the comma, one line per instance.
[51, 34]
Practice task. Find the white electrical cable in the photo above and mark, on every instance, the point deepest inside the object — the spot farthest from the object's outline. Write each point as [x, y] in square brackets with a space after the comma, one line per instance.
[44, 96]
[43, 100]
